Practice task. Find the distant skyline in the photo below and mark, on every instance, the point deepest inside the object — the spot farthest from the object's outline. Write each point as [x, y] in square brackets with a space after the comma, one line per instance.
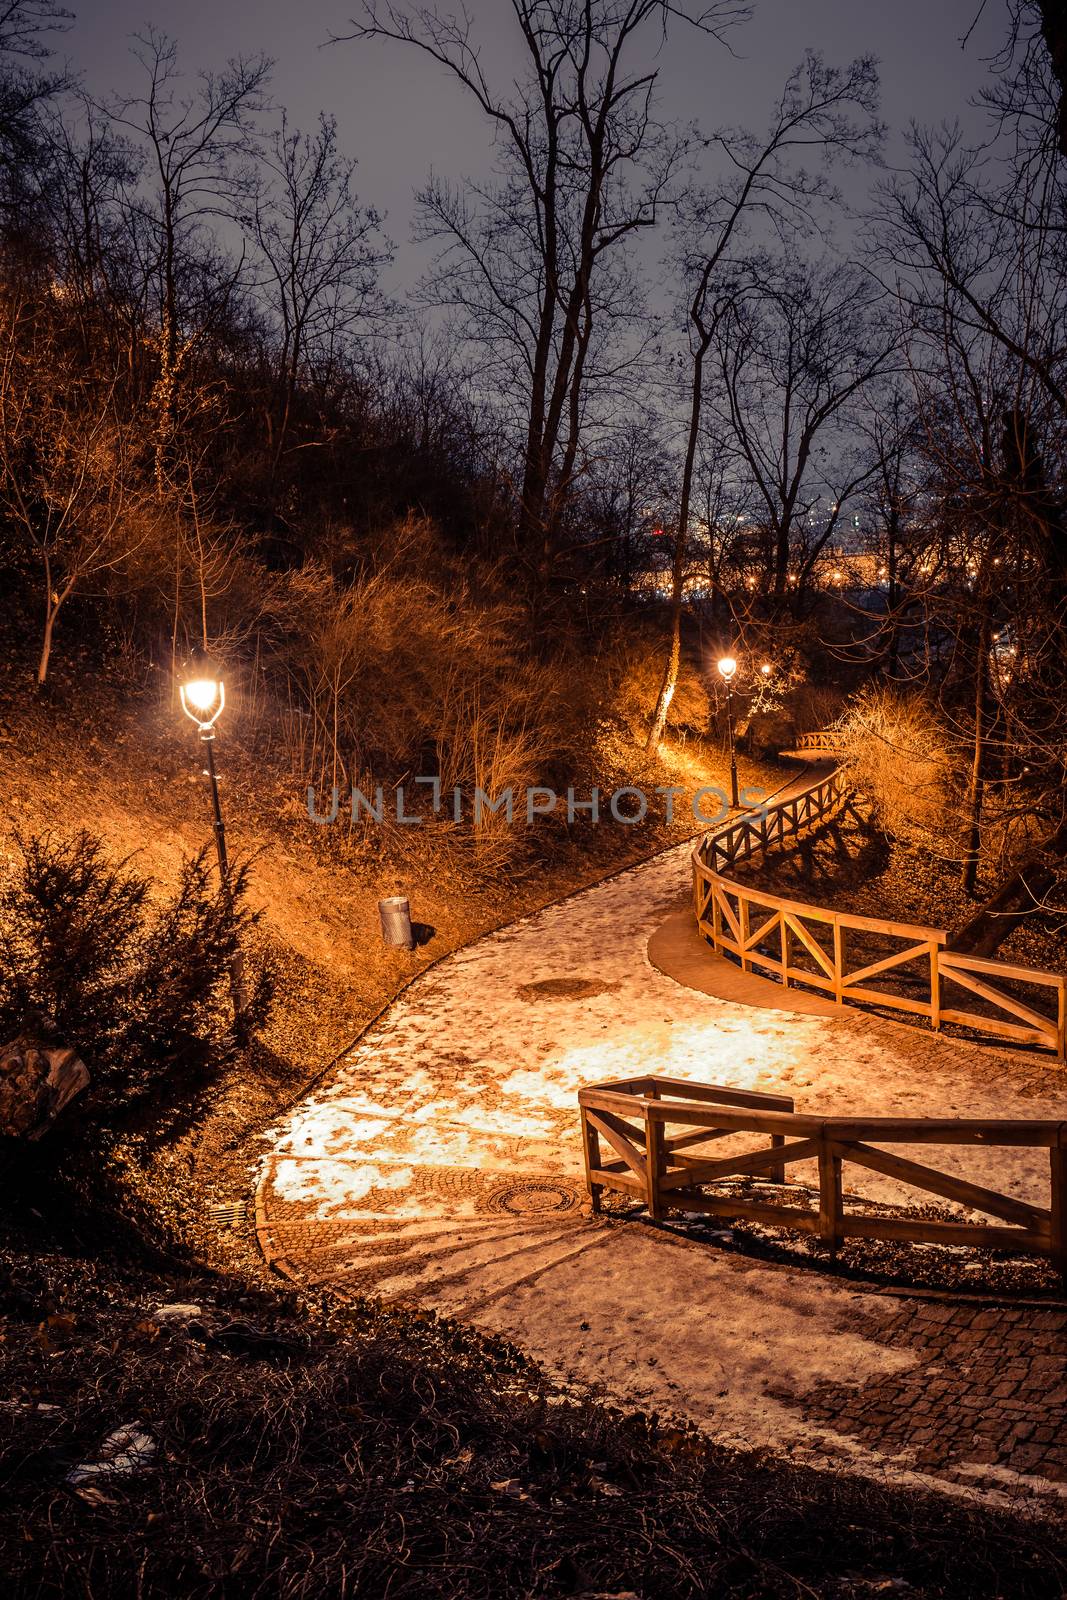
[398, 114]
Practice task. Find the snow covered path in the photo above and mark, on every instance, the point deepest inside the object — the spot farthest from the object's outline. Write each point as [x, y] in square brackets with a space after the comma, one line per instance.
[441, 1164]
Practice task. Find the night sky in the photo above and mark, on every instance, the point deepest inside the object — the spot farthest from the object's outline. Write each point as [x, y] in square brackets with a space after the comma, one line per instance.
[398, 113]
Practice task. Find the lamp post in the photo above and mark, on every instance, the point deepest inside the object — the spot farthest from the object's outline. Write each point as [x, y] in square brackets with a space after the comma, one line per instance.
[727, 668]
[203, 700]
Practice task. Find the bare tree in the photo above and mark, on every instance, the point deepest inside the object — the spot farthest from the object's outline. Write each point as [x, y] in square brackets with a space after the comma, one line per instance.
[27, 85]
[194, 144]
[91, 169]
[796, 347]
[67, 456]
[824, 108]
[534, 263]
[972, 244]
[321, 254]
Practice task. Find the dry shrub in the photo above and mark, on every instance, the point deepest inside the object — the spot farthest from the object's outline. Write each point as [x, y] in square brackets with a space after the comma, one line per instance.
[814, 705]
[391, 1453]
[898, 757]
[397, 674]
[630, 670]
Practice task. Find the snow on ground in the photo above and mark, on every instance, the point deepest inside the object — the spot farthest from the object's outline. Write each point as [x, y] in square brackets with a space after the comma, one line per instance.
[466, 1071]
[471, 1078]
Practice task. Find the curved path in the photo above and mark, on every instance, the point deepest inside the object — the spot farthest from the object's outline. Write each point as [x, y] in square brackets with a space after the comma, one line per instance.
[441, 1165]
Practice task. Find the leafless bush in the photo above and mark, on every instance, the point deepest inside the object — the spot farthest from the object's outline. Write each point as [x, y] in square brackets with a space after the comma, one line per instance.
[400, 674]
[899, 758]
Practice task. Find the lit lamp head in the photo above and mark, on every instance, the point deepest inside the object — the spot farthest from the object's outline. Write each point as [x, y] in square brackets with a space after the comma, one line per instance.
[727, 667]
[203, 698]
[766, 669]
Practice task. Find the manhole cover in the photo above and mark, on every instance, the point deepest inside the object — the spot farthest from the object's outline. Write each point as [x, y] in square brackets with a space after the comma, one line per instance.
[534, 1198]
[562, 989]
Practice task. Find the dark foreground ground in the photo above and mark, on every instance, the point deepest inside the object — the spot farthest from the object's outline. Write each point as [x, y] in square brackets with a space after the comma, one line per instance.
[282, 1447]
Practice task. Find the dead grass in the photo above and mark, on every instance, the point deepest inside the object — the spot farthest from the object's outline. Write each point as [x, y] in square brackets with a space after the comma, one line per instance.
[304, 1451]
[128, 769]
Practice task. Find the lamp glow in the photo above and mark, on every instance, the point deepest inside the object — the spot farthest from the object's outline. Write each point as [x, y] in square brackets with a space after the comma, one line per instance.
[727, 667]
[203, 700]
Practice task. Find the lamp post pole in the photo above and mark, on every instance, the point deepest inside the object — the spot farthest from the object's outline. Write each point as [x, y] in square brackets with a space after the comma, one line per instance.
[207, 736]
[733, 753]
[203, 700]
[727, 668]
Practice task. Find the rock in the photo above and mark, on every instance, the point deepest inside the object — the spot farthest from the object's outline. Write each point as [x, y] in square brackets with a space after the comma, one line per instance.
[36, 1082]
[126, 1451]
[177, 1312]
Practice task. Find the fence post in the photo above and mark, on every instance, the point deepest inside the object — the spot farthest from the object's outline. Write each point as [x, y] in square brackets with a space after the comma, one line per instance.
[1058, 1206]
[829, 1196]
[743, 921]
[776, 1174]
[839, 963]
[1061, 1020]
[654, 1164]
[784, 929]
[935, 988]
[591, 1150]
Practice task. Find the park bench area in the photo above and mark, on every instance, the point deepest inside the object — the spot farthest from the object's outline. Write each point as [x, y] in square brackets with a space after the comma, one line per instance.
[657, 1131]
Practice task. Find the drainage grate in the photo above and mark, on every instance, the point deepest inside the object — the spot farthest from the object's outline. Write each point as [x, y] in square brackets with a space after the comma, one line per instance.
[229, 1213]
[563, 989]
[533, 1198]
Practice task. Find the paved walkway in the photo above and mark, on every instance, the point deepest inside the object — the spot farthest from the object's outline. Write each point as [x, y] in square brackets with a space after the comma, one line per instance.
[441, 1165]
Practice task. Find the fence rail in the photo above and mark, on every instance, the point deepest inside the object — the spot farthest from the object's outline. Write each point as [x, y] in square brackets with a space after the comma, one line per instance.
[665, 1170]
[825, 742]
[830, 951]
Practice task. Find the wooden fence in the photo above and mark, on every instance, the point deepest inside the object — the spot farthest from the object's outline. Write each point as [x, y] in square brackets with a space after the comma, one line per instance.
[825, 742]
[664, 1169]
[850, 958]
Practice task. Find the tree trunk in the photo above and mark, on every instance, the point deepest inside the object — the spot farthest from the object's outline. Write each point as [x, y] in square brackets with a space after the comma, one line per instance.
[670, 675]
[1016, 899]
[889, 666]
[976, 789]
[681, 537]
[46, 646]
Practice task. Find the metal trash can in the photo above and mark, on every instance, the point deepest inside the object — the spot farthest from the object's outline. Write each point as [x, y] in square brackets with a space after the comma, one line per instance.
[395, 913]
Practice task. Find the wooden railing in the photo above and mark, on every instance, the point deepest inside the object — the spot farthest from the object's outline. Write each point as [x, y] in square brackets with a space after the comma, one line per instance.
[861, 960]
[774, 822]
[664, 1169]
[825, 742]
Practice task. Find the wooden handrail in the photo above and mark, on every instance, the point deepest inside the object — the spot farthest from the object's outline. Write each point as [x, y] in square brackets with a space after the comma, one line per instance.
[632, 1119]
[823, 742]
[724, 912]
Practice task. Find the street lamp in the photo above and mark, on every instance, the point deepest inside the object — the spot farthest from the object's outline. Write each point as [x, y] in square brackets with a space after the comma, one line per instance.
[203, 699]
[727, 668]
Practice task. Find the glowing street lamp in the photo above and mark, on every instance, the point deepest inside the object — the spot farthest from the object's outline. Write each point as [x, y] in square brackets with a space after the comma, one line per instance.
[727, 668]
[203, 700]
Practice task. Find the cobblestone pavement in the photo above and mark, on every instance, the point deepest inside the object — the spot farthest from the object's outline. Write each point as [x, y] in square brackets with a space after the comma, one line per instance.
[440, 1165]
[985, 1401]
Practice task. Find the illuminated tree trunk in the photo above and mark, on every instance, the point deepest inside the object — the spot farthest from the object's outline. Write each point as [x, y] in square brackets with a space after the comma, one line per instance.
[696, 399]
[976, 788]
